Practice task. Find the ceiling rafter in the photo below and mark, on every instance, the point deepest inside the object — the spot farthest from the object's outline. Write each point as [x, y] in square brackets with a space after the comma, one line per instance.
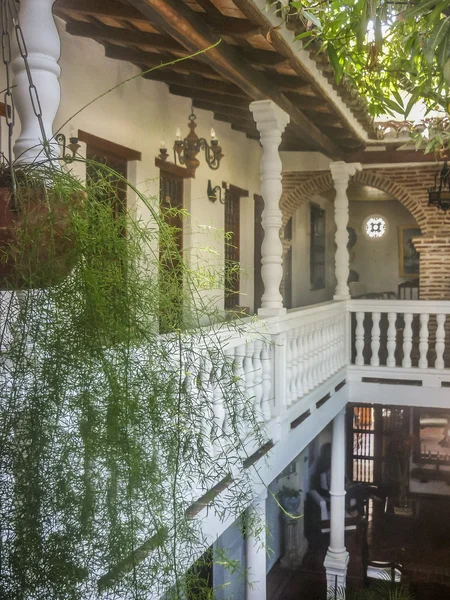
[117, 10]
[193, 33]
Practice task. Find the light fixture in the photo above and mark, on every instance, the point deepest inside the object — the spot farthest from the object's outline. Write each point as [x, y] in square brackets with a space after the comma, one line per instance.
[439, 195]
[186, 150]
[73, 146]
[213, 192]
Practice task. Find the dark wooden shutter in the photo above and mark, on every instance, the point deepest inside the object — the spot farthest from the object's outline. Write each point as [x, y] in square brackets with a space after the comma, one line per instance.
[232, 251]
[170, 264]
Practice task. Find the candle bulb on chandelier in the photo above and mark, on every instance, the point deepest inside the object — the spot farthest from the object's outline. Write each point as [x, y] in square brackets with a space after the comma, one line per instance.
[162, 145]
[213, 134]
[178, 134]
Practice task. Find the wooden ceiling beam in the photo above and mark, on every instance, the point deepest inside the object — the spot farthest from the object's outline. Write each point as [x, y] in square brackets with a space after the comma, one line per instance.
[290, 83]
[110, 8]
[152, 59]
[189, 30]
[256, 16]
[197, 83]
[99, 8]
[125, 36]
[224, 110]
[235, 121]
[220, 99]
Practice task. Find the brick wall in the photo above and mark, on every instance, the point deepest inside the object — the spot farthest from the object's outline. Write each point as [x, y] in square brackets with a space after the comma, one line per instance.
[408, 185]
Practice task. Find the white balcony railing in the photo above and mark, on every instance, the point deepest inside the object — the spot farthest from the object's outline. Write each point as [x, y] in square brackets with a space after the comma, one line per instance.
[406, 334]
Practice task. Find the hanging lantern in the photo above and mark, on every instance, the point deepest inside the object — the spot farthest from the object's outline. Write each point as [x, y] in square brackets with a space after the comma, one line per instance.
[439, 194]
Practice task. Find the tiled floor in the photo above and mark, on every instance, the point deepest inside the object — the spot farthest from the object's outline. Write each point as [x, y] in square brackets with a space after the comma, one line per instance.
[421, 545]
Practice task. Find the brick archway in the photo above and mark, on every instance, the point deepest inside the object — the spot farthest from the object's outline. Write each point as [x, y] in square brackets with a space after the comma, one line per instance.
[310, 184]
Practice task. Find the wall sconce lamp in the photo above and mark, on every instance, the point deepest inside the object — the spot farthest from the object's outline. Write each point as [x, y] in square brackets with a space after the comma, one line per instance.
[215, 192]
[73, 146]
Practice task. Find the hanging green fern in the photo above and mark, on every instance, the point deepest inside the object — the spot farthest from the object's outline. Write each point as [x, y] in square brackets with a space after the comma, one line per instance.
[105, 424]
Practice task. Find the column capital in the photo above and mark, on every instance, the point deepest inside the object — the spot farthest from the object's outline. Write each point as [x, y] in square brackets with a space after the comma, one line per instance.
[269, 116]
[342, 171]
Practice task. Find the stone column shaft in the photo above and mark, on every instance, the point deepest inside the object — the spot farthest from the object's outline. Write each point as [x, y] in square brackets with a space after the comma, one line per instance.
[341, 173]
[255, 549]
[43, 48]
[271, 122]
[336, 559]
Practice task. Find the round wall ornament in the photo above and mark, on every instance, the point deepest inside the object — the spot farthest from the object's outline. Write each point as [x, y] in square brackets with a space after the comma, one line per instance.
[375, 227]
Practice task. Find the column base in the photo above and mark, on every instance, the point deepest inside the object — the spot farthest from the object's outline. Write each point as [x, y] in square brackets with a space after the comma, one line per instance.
[335, 564]
[341, 297]
[294, 558]
[271, 312]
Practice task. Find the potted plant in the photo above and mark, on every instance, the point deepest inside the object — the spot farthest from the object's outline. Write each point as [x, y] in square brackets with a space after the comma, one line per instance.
[290, 498]
[37, 239]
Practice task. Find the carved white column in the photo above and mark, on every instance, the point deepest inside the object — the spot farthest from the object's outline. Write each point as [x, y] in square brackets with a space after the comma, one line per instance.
[271, 121]
[255, 549]
[43, 47]
[336, 560]
[341, 173]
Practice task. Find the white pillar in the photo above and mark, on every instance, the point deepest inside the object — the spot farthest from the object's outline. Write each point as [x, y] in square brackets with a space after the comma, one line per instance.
[271, 121]
[255, 549]
[341, 173]
[43, 47]
[336, 560]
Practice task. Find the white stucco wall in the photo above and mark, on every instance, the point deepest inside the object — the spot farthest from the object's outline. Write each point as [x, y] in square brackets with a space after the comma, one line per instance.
[377, 260]
[302, 294]
[139, 115]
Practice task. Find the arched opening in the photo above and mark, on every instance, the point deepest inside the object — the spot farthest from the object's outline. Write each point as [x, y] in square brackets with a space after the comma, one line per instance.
[383, 221]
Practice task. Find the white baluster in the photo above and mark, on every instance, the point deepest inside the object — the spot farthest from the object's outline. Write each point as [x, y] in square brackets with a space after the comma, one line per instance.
[423, 341]
[314, 356]
[267, 382]
[279, 374]
[294, 367]
[391, 339]
[407, 341]
[440, 341]
[239, 371]
[249, 379]
[271, 122]
[306, 360]
[300, 361]
[329, 349]
[43, 47]
[359, 339]
[341, 342]
[288, 368]
[218, 410]
[207, 399]
[228, 374]
[335, 347]
[375, 344]
[320, 353]
[258, 381]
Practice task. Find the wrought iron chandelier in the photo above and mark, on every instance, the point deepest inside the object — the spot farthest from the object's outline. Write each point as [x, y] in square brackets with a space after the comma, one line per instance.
[439, 194]
[187, 149]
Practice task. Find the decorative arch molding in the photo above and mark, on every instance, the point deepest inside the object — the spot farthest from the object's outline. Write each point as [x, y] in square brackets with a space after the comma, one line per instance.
[316, 183]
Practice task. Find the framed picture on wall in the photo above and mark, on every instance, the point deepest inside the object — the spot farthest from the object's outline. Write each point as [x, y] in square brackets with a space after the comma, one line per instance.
[409, 258]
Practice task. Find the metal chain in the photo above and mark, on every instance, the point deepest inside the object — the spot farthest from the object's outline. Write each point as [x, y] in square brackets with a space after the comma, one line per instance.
[10, 112]
[34, 96]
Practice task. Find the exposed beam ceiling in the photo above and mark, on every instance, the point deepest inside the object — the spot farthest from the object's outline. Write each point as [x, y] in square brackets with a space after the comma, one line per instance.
[193, 33]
